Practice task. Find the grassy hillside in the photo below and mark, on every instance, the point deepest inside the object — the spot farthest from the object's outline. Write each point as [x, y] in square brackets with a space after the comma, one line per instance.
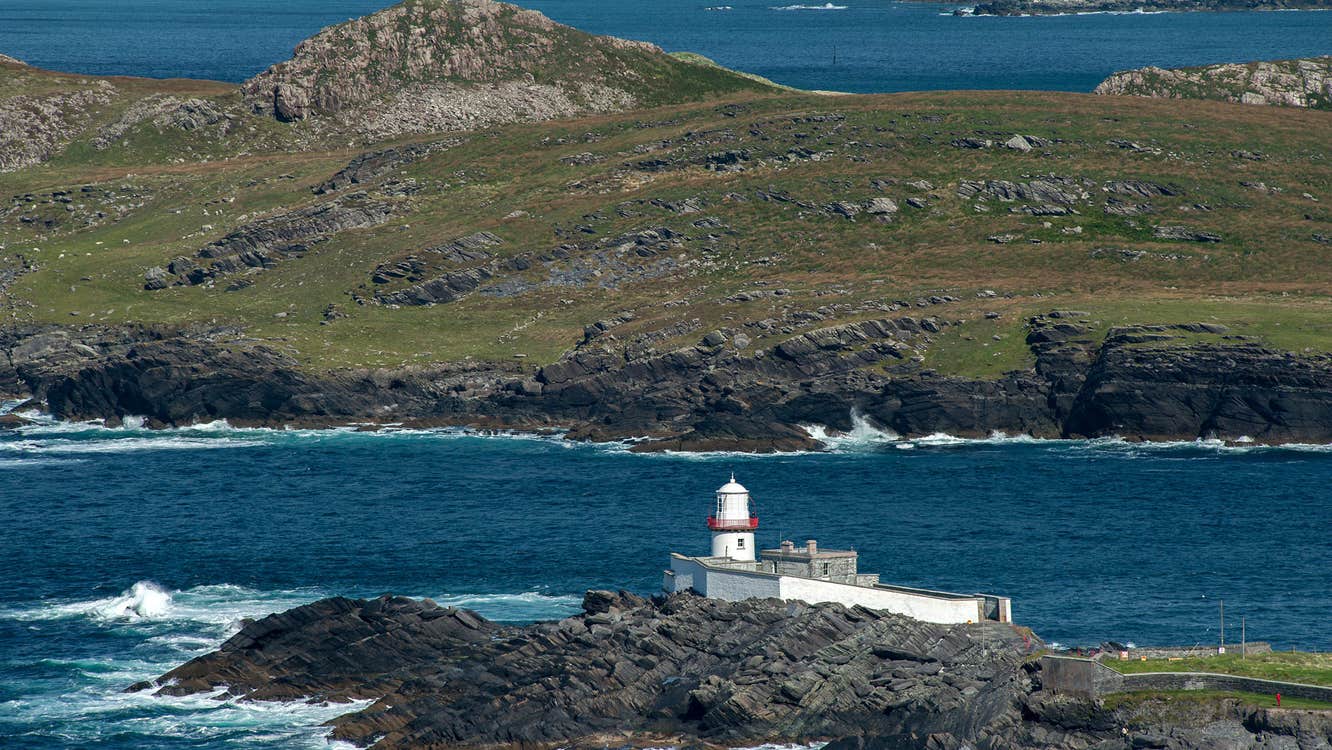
[760, 192]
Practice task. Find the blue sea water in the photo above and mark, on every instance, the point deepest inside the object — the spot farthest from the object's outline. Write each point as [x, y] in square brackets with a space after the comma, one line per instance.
[844, 45]
[127, 551]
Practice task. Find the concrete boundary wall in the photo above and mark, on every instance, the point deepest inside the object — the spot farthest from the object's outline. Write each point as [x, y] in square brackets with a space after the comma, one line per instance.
[1090, 678]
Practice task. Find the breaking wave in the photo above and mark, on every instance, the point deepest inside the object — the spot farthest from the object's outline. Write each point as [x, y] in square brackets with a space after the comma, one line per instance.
[825, 6]
[218, 605]
[50, 441]
[77, 699]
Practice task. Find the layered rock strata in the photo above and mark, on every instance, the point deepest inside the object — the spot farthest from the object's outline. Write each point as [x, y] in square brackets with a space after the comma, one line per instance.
[1143, 382]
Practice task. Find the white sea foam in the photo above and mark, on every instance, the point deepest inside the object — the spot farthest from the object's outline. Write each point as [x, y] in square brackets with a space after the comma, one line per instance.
[221, 606]
[825, 6]
[97, 711]
[863, 435]
[52, 440]
[144, 600]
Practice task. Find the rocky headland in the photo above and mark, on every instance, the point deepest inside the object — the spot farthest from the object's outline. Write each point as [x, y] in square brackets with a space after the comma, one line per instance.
[694, 672]
[458, 212]
[1136, 382]
[1286, 83]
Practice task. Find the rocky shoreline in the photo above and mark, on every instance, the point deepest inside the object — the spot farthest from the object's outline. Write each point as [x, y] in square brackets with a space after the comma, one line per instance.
[1177, 382]
[689, 671]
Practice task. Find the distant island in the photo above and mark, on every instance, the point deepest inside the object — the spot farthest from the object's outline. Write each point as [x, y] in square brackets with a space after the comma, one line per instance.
[1057, 7]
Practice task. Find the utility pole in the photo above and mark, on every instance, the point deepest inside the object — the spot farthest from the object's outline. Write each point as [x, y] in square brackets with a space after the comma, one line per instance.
[1222, 649]
[1244, 640]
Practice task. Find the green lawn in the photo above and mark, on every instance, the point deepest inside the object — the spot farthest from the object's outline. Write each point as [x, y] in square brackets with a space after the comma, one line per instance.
[1287, 666]
[1181, 698]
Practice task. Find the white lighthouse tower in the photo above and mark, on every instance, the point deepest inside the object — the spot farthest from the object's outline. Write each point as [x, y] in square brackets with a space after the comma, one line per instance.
[731, 525]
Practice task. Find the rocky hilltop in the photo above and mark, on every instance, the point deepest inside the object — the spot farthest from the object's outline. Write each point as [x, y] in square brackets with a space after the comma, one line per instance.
[443, 65]
[688, 671]
[1287, 83]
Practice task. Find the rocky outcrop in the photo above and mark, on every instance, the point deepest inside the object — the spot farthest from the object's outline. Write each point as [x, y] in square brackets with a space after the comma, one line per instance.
[1145, 382]
[166, 113]
[1231, 390]
[689, 671]
[1289, 83]
[683, 667]
[375, 164]
[34, 127]
[449, 65]
[262, 244]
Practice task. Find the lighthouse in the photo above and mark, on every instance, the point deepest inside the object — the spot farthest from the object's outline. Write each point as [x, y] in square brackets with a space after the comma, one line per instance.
[731, 524]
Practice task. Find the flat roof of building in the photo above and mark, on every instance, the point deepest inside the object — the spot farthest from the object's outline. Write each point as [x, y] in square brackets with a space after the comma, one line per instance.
[802, 553]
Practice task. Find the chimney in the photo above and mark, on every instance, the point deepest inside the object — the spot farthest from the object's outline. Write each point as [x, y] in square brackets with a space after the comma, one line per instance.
[788, 546]
[812, 547]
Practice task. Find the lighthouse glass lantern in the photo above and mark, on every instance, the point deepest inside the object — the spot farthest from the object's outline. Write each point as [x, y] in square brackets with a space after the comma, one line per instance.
[731, 524]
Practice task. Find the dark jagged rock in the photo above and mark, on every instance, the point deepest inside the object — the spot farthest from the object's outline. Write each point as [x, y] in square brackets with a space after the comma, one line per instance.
[1144, 382]
[1231, 390]
[264, 243]
[371, 165]
[690, 671]
[684, 666]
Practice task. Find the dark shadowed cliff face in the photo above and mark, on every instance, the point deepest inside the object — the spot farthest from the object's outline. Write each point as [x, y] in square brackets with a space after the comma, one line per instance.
[1141, 382]
[688, 670]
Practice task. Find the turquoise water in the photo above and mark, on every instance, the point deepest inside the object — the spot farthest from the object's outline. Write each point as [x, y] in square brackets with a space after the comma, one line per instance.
[128, 551]
[854, 45]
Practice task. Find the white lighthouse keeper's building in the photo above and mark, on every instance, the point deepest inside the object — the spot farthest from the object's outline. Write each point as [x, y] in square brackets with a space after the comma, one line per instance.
[808, 573]
[731, 524]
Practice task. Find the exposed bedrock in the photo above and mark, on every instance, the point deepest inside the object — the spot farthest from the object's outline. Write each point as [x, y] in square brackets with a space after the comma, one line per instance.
[685, 667]
[690, 671]
[265, 242]
[1142, 382]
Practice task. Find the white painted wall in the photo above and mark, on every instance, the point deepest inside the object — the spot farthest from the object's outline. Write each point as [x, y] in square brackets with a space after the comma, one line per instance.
[731, 585]
[921, 607]
[735, 585]
[737, 545]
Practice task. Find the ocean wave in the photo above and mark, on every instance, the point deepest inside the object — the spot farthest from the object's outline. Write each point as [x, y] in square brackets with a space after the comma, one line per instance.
[54, 441]
[825, 6]
[98, 711]
[221, 605]
[78, 700]
[863, 434]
